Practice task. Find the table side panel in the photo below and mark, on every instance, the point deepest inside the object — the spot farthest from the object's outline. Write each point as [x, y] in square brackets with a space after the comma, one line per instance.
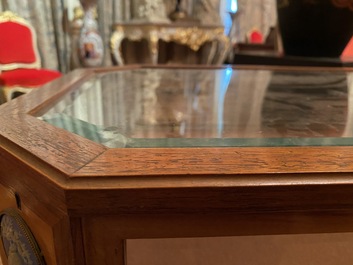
[229, 161]
[110, 229]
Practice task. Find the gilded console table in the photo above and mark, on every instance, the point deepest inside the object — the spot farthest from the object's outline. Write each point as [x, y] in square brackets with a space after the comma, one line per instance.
[208, 44]
[101, 157]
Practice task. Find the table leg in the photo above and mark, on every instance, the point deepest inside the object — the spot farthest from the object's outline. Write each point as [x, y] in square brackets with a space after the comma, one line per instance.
[153, 45]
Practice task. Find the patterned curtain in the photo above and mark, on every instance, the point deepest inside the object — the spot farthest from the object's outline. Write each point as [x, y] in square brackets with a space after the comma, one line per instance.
[108, 13]
[48, 19]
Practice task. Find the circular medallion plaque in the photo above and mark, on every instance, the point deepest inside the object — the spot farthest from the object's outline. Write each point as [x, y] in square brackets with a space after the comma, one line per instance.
[19, 244]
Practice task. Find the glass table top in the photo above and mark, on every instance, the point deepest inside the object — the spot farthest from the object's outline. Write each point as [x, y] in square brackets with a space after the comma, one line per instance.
[156, 107]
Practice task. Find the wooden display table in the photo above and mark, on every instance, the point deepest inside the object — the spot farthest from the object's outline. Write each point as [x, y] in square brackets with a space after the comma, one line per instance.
[101, 156]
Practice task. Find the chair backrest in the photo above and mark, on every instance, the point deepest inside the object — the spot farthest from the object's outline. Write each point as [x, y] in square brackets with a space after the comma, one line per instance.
[18, 48]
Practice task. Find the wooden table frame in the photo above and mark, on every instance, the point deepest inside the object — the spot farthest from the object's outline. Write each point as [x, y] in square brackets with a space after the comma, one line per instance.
[83, 200]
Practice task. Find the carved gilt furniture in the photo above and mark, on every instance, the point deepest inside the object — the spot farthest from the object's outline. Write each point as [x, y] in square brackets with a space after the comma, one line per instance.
[169, 43]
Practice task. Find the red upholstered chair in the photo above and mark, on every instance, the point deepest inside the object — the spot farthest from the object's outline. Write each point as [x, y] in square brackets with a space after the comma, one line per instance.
[20, 64]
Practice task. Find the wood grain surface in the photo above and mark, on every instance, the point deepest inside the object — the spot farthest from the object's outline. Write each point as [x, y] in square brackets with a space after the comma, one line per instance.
[83, 200]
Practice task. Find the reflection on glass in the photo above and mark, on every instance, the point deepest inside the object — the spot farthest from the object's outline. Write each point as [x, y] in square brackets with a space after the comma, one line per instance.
[208, 107]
